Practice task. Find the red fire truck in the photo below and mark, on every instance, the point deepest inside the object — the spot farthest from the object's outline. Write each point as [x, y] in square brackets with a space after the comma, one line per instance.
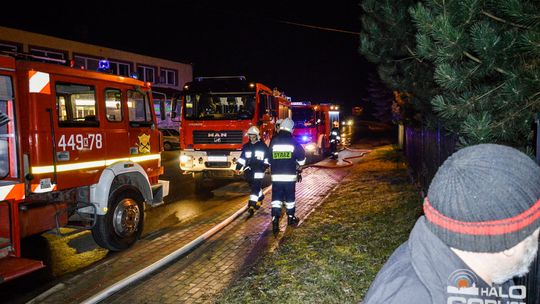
[77, 149]
[216, 113]
[312, 125]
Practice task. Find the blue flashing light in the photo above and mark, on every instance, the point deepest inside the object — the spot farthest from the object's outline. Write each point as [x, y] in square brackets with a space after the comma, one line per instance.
[134, 75]
[104, 65]
[305, 138]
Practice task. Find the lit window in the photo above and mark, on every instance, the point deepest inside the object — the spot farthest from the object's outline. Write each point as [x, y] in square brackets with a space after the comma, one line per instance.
[138, 107]
[76, 105]
[113, 104]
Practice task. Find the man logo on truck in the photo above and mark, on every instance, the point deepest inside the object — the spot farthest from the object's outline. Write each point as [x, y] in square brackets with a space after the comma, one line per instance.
[214, 135]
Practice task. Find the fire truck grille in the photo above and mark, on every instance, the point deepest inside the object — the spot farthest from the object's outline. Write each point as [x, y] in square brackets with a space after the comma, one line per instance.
[217, 164]
[217, 137]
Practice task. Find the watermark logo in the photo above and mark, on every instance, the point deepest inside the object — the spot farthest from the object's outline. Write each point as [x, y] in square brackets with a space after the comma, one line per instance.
[462, 281]
[463, 288]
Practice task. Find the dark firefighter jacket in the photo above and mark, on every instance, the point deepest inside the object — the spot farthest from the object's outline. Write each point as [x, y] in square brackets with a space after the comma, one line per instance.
[285, 154]
[254, 157]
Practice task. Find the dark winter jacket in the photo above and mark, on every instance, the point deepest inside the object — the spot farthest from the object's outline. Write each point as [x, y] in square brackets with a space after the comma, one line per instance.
[425, 270]
[254, 157]
[285, 154]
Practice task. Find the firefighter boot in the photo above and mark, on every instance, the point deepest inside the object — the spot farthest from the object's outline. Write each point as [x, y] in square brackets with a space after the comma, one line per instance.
[259, 202]
[251, 211]
[275, 225]
[276, 212]
[251, 208]
[292, 220]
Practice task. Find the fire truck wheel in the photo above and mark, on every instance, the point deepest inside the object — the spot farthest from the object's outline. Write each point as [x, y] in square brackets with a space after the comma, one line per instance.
[122, 225]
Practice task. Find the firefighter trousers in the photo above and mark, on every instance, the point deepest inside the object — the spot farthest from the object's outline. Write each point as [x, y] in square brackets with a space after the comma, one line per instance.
[283, 193]
[254, 180]
[256, 196]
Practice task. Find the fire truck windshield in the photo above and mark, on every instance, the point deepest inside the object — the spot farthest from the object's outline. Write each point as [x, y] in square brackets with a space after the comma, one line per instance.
[304, 117]
[219, 106]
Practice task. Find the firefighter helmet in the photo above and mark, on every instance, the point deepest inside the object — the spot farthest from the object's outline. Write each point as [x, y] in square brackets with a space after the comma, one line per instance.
[253, 131]
[287, 124]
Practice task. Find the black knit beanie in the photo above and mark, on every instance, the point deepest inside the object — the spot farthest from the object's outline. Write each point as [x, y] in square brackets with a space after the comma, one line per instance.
[484, 198]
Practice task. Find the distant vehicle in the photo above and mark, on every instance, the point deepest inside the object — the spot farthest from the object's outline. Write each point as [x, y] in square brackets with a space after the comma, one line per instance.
[357, 111]
[312, 125]
[216, 113]
[171, 139]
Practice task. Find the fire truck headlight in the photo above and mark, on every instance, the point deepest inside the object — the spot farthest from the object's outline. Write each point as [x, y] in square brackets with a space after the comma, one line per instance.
[311, 147]
[184, 159]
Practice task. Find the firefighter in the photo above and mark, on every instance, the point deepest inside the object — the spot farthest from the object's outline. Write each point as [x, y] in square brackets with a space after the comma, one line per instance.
[286, 157]
[334, 140]
[253, 161]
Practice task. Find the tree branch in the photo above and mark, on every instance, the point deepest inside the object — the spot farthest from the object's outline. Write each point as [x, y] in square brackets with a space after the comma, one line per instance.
[475, 59]
[504, 21]
[413, 54]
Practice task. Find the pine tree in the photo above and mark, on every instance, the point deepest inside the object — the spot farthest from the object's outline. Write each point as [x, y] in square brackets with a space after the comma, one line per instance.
[388, 40]
[380, 99]
[486, 55]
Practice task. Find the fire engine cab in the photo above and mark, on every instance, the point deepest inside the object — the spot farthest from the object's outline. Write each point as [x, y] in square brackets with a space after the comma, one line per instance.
[312, 125]
[77, 149]
[216, 113]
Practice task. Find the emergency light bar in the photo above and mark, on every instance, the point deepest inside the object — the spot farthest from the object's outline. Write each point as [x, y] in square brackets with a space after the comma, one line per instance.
[300, 103]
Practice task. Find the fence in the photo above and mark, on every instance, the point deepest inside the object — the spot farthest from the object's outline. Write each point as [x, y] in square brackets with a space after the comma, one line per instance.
[426, 150]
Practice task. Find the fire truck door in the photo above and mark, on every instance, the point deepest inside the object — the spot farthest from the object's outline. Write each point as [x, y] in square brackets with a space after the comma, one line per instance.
[143, 135]
[115, 124]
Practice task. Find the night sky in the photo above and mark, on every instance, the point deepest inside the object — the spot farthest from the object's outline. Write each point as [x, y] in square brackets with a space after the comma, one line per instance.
[223, 38]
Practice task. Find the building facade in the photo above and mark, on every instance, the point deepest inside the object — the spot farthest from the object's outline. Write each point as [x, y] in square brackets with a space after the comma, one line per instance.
[167, 77]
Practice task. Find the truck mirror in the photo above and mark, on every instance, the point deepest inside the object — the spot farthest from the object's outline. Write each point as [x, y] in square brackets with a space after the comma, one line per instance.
[162, 110]
[174, 110]
[162, 97]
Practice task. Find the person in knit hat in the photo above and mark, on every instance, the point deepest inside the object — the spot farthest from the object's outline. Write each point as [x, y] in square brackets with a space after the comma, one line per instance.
[479, 230]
